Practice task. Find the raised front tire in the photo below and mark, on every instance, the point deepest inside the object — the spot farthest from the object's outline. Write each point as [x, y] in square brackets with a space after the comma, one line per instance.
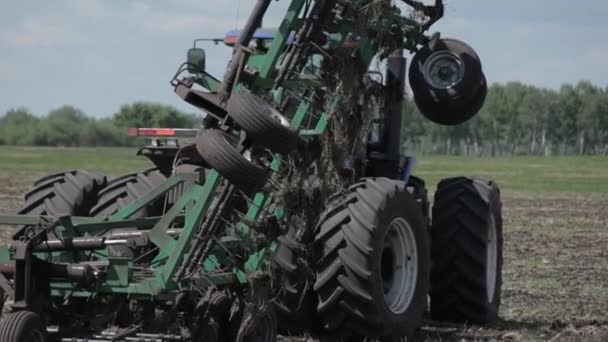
[66, 193]
[373, 261]
[450, 113]
[466, 238]
[447, 80]
[446, 69]
[262, 123]
[22, 326]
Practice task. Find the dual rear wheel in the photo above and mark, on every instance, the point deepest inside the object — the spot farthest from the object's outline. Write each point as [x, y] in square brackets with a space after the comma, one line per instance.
[376, 260]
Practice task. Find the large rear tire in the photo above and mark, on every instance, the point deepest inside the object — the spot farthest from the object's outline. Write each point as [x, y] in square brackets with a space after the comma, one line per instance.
[373, 262]
[121, 192]
[22, 326]
[67, 193]
[466, 235]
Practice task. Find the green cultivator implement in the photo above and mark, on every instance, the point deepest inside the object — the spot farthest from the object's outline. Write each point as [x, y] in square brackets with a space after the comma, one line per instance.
[291, 209]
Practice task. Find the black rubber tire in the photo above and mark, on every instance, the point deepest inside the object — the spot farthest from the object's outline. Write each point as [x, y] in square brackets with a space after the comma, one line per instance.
[452, 113]
[459, 239]
[67, 193]
[121, 192]
[350, 248]
[296, 303]
[266, 328]
[218, 149]
[196, 171]
[22, 326]
[263, 124]
[417, 188]
[461, 91]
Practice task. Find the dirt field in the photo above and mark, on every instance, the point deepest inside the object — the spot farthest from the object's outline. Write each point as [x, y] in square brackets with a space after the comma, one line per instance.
[556, 250]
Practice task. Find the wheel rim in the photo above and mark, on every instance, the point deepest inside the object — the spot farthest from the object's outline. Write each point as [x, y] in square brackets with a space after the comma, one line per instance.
[491, 259]
[444, 70]
[399, 266]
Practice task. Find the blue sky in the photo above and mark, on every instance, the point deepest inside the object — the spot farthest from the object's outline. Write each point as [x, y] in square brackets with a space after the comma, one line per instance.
[100, 54]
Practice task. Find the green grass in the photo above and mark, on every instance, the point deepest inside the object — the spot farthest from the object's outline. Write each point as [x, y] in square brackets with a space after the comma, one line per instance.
[530, 174]
[111, 161]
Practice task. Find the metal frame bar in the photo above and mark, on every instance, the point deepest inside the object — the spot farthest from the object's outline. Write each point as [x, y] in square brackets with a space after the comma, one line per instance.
[194, 203]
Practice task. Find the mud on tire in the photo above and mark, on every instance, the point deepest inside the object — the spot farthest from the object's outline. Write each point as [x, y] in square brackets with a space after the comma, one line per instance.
[466, 239]
[372, 261]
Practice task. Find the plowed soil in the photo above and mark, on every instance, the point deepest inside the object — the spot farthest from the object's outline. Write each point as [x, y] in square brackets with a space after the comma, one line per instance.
[555, 268]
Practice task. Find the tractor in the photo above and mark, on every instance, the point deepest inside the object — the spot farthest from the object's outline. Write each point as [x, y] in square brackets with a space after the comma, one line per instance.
[291, 210]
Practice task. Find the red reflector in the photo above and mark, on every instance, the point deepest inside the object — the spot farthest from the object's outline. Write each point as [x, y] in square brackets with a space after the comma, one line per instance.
[152, 132]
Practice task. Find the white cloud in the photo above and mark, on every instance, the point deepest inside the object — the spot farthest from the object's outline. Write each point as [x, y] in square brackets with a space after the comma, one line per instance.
[38, 33]
[180, 19]
[86, 8]
[5, 72]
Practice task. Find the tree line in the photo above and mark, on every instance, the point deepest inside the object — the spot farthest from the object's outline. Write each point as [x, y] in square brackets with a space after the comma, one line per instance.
[517, 119]
[70, 126]
[520, 119]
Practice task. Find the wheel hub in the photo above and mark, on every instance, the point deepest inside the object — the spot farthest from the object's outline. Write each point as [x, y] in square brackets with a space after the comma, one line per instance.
[399, 266]
[444, 70]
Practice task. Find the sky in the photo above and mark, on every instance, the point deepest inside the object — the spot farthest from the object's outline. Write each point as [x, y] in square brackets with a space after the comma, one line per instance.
[100, 54]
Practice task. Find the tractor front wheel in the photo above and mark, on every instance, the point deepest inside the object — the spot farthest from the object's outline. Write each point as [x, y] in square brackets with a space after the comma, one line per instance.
[22, 326]
[372, 261]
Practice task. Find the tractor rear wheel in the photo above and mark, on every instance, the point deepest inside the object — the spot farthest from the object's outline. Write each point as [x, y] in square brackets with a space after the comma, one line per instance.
[263, 124]
[22, 326]
[121, 192]
[466, 238]
[66, 193]
[372, 261]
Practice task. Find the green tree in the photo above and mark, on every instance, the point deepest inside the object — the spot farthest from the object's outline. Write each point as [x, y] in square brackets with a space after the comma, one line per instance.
[142, 114]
